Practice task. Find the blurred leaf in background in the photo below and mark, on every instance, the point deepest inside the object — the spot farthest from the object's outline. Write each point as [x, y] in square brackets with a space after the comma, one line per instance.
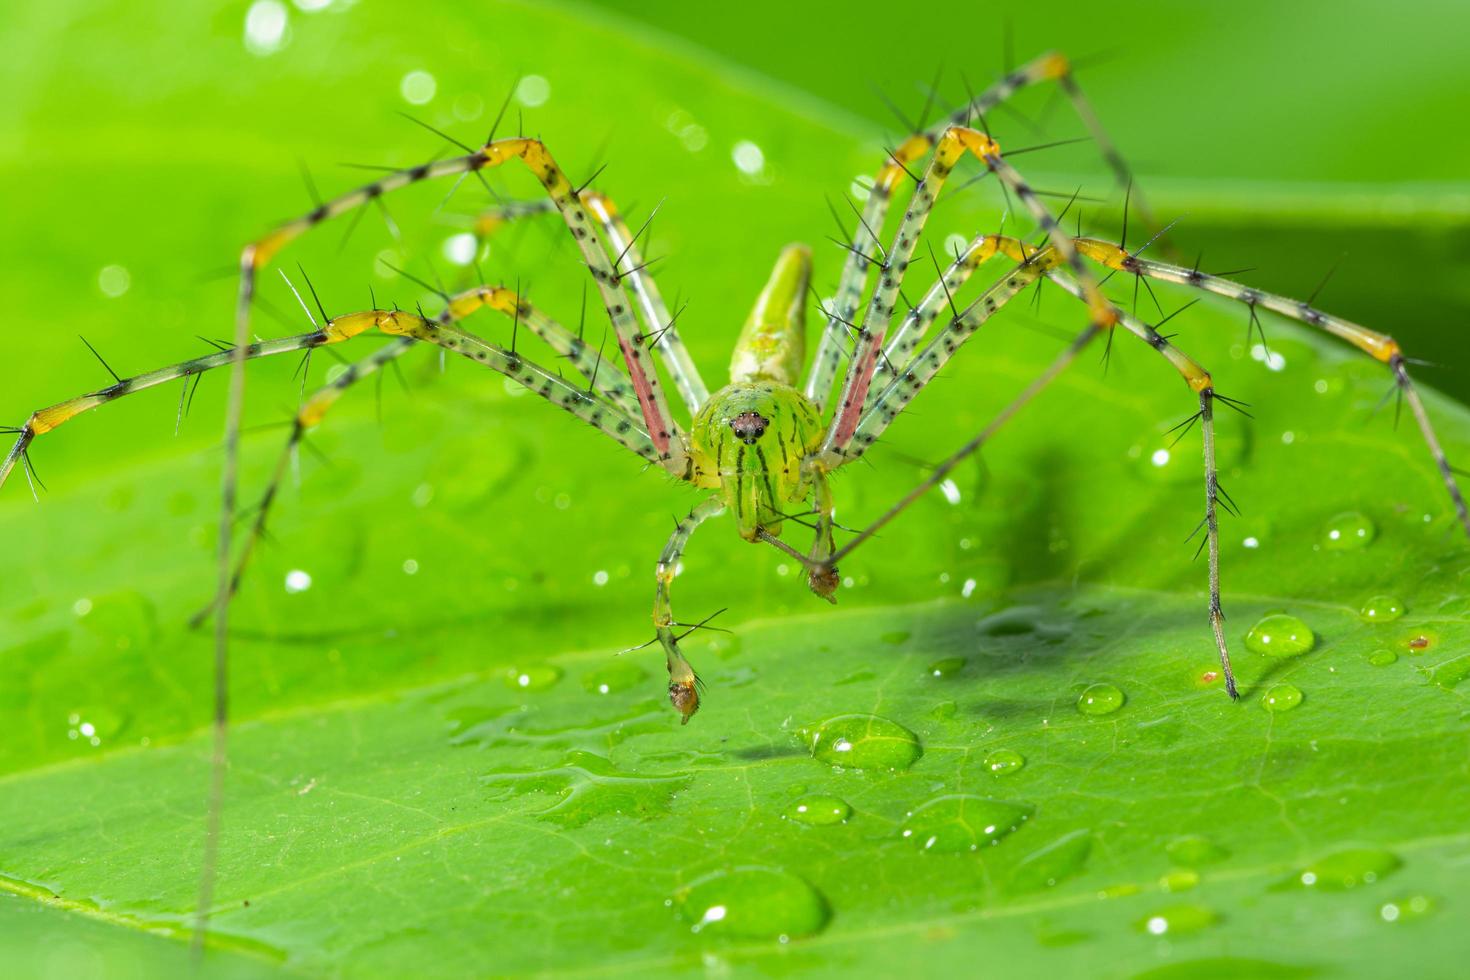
[441, 765]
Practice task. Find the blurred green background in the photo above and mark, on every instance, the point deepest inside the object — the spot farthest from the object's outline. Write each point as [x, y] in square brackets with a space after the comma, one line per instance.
[141, 145]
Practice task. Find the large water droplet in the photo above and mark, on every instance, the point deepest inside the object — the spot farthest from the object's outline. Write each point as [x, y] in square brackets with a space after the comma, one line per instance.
[1193, 850]
[820, 810]
[1100, 699]
[1003, 762]
[961, 822]
[753, 903]
[1348, 531]
[1061, 859]
[1382, 609]
[1382, 658]
[1177, 919]
[1281, 697]
[619, 675]
[1280, 635]
[1450, 673]
[863, 742]
[1347, 869]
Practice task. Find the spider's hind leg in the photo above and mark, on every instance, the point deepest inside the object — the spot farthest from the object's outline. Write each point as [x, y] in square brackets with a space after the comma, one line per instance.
[1379, 346]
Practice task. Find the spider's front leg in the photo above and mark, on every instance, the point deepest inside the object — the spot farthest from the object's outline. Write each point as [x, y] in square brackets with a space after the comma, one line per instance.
[684, 683]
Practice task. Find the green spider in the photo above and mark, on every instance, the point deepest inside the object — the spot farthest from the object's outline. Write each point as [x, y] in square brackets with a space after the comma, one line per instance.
[765, 444]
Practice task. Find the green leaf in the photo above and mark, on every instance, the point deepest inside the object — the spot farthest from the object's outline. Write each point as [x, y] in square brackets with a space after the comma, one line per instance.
[440, 762]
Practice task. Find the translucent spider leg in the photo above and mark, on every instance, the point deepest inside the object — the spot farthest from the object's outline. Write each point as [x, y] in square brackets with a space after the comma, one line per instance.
[1380, 347]
[307, 417]
[605, 379]
[853, 282]
[661, 329]
[683, 682]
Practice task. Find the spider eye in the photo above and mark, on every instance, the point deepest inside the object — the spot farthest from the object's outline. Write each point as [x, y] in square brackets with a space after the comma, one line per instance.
[749, 426]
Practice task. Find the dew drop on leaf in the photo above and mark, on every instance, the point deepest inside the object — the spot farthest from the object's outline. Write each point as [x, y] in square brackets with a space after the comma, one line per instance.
[534, 677]
[1346, 869]
[821, 811]
[947, 668]
[1003, 762]
[1348, 531]
[1177, 919]
[1407, 909]
[1280, 635]
[863, 742]
[1100, 699]
[1047, 866]
[1281, 697]
[1382, 658]
[753, 903]
[962, 822]
[1382, 609]
[619, 675]
[1192, 850]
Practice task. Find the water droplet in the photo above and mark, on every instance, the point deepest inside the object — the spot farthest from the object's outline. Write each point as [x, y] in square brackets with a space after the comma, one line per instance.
[1157, 459]
[1280, 635]
[1193, 850]
[1450, 673]
[297, 581]
[1049, 865]
[1100, 699]
[753, 903]
[1382, 658]
[1348, 531]
[1177, 919]
[1281, 697]
[1179, 880]
[1346, 869]
[821, 811]
[535, 677]
[1003, 762]
[947, 668]
[863, 742]
[895, 637]
[961, 822]
[619, 675]
[1407, 909]
[944, 710]
[1382, 609]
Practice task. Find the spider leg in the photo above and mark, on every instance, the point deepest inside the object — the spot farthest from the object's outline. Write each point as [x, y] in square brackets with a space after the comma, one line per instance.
[609, 414]
[45, 420]
[1380, 347]
[659, 325]
[657, 320]
[307, 417]
[853, 282]
[683, 682]
[955, 143]
[1202, 385]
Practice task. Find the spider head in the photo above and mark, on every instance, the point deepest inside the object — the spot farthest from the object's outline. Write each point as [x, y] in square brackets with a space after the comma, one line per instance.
[749, 426]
